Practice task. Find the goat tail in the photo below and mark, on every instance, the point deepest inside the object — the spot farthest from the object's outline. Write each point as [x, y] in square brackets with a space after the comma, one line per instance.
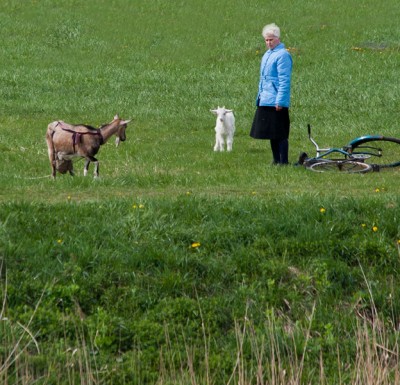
[49, 140]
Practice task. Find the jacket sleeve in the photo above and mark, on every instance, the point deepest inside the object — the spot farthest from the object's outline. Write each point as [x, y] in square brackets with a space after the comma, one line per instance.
[284, 68]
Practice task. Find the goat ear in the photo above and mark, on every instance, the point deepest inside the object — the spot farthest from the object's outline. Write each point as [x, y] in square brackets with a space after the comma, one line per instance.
[213, 111]
[229, 110]
[116, 117]
[122, 122]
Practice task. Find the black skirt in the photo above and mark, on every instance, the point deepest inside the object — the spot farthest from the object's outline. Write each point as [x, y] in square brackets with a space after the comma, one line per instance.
[269, 123]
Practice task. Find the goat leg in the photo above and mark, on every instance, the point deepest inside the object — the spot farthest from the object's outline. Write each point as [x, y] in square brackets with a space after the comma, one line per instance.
[53, 169]
[96, 169]
[96, 166]
[86, 167]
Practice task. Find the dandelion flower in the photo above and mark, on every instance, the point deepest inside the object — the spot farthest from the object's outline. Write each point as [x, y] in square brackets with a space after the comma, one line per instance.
[141, 206]
[59, 241]
[188, 192]
[377, 190]
[322, 210]
[375, 229]
[363, 225]
[195, 245]
[134, 206]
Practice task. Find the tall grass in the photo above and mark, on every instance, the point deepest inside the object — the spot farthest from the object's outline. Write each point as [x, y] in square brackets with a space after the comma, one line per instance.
[162, 289]
[267, 355]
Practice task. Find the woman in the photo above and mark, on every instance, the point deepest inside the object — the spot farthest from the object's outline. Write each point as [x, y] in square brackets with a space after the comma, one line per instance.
[271, 120]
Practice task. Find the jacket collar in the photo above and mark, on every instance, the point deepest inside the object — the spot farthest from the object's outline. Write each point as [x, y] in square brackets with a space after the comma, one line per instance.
[277, 48]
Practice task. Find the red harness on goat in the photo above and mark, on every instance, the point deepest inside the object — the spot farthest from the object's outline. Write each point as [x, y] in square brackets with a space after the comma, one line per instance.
[77, 136]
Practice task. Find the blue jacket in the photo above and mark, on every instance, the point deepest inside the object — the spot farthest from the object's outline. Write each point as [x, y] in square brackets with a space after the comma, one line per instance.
[275, 77]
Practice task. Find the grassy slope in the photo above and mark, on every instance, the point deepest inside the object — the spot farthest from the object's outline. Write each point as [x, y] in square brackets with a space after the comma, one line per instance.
[149, 277]
[261, 232]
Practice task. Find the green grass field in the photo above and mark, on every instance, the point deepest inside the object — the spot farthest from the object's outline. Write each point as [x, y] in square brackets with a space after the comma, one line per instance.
[181, 265]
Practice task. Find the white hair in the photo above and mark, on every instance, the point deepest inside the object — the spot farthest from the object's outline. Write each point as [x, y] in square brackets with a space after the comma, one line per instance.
[271, 29]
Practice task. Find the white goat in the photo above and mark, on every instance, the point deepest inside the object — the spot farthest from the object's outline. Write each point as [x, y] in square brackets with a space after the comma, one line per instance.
[224, 128]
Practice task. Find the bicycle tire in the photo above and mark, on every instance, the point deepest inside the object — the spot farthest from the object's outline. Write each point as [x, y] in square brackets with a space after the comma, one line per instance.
[349, 166]
[383, 151]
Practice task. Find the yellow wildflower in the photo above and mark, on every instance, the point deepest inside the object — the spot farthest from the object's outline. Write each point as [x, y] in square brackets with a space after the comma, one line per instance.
[375, 229]
[322, 210]
[195, 245]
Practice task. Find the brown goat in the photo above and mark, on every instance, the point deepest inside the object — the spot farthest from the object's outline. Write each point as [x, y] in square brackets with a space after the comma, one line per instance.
[66, 142]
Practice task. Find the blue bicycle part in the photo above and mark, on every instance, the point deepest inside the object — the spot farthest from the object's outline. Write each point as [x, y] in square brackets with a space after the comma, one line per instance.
[378, 150]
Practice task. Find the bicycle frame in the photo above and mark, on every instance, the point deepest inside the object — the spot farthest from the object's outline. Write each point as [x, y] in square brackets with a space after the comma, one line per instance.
[358, 150]
[321, 153]
[373, 151]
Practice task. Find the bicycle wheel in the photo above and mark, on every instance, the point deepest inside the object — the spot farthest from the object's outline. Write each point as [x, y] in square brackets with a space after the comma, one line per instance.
[340, 166]
[382, 150]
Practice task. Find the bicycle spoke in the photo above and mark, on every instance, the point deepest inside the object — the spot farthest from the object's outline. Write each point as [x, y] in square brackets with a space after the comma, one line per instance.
[340, 166]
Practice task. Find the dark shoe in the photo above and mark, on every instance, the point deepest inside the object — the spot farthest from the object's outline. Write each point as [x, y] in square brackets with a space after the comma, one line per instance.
[302, 158]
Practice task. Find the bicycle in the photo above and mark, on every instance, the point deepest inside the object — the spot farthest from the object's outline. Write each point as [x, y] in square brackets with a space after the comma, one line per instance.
[362, 154]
